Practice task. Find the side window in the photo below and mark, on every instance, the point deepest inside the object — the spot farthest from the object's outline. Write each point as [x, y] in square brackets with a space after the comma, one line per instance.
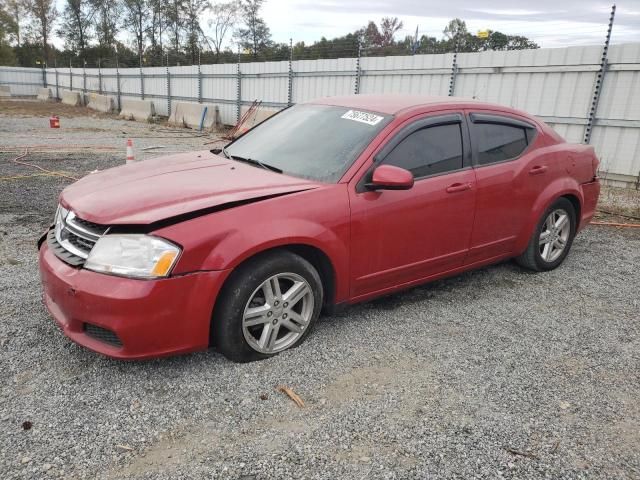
[429, 151]
[497, 143]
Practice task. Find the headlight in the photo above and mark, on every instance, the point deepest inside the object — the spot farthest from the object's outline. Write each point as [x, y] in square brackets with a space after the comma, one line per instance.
[129, 255]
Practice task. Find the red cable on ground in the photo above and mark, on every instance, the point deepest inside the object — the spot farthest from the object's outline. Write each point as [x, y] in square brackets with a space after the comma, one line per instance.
[32, 165]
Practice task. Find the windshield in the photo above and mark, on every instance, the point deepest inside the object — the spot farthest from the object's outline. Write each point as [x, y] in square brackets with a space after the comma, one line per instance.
[318, 142]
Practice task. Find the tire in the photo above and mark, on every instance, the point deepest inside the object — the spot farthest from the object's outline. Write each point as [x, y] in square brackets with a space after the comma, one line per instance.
[545, 256]
[252, 320]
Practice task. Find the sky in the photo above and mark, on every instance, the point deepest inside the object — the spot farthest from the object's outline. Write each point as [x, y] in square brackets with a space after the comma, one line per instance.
[550, 23]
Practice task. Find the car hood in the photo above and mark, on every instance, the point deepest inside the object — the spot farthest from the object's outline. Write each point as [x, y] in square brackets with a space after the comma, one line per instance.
[168, 187]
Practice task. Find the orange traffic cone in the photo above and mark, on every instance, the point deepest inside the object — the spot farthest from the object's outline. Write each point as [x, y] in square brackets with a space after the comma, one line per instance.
[130, 157]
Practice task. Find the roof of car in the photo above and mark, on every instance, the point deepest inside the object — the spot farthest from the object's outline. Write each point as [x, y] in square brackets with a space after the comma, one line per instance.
[391, 103]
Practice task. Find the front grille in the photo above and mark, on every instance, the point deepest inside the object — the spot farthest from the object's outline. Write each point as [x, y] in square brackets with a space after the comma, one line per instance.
[102, 334]
[73, 238]
[88, 225]
[61, 252]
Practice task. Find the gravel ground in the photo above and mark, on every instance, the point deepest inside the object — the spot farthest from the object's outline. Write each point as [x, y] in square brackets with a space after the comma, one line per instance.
[494, 373]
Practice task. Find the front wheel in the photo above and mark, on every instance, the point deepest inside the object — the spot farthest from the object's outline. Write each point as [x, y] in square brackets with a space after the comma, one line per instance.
[552, 239]
[267, 306]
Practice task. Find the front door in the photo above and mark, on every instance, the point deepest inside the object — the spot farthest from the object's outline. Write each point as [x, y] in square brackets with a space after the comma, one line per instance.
[404, 236]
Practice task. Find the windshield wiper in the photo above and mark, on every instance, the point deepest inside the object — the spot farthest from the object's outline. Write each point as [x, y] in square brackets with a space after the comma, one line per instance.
[251, 161]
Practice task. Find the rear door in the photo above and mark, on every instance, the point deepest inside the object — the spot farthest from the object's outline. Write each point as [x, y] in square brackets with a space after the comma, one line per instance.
[509, 177]
[402, 236]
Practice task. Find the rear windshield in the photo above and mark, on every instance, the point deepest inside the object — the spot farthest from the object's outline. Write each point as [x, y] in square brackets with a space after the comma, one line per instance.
[318, 142]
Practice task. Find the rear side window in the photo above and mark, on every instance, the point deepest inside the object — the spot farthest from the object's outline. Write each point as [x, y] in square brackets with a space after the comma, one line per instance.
[497, 143]
[429, 151]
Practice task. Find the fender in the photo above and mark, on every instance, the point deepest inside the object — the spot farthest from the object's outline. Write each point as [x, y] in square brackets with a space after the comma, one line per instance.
[240, 246]
[222, 240]
[556, 189]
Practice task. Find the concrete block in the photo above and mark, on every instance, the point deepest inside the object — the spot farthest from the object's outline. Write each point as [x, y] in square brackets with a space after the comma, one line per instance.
[5, 91]
[44, 94]
[140, 110]
[189, 114]
[71, 98]
[101, 103]
[259, 115]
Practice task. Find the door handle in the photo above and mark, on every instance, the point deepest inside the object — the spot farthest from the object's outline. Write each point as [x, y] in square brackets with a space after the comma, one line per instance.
[458, 187]
[538, 170]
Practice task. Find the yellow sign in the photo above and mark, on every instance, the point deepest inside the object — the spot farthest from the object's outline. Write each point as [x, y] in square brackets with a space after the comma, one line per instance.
[483, 33]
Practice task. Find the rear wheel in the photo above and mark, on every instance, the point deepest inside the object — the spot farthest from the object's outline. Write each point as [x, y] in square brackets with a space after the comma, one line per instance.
[267, 306]
[552, 239]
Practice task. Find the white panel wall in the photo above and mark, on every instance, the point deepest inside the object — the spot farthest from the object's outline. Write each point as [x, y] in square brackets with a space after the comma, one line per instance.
[418, 74]
[323, 78]
[619, 146]
[266, 81]
[220, 82]
[22, 81]
[555, 84]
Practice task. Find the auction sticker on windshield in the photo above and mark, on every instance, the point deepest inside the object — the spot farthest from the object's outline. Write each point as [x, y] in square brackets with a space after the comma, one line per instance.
[364, 117]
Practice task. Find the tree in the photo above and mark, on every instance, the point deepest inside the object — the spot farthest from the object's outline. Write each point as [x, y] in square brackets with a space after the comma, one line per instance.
[136, 18]
[456, 28]
[8, 29]
[77, 19]
[388, 28]
[370, 36]
[156, 27]
[175, 22]
[225, 16]
[15, 10]
[193, 9]
[431, 45]
[107, 14]
[457, 37]
[255, 36]
[43, 14]
[518, 42]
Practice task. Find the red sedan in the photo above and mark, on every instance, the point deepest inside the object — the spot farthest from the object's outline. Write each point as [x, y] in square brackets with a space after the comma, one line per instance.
[327, 203]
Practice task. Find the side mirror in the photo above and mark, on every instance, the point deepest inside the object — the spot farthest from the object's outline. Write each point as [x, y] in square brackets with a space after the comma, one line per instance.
[389, 177]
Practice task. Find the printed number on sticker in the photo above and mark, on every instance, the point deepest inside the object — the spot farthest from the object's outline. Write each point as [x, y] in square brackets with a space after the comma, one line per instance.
[364, 117]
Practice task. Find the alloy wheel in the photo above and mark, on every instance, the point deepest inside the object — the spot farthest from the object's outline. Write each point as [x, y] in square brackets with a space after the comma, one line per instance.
[555, 235]
[278, 313]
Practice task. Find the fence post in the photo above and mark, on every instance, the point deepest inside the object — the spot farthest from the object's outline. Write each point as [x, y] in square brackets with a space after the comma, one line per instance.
[84, 78]
[358, 71]
[70, 77]
[290, 85]
[199, 80]
[454, 73]
[239, 90]
[168, 92]
[118, 88]
[597, 88]
[57, 88]
[118, 81]
[99, 77]
[141, 83]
